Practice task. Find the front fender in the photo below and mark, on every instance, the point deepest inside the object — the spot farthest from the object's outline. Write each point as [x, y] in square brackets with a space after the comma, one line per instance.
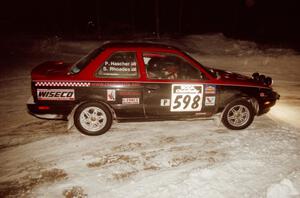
[231, 94]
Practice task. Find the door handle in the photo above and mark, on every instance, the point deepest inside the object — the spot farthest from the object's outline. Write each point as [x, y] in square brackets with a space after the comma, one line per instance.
[152, 87]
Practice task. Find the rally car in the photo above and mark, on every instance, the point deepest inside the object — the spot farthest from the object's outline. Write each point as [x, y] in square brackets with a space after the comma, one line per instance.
[134, 81]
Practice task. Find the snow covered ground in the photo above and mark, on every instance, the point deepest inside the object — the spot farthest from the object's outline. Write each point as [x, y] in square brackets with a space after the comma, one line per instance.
[194, 158]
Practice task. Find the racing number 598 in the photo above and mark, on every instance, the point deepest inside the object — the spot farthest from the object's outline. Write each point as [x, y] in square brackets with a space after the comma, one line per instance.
[186, 97]
[186, 101]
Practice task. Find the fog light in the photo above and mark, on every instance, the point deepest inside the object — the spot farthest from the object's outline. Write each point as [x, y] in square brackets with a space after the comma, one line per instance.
[268, 102]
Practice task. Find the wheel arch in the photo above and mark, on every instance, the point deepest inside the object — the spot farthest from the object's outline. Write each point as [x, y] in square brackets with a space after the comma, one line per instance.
[90, 99]
[241, 96]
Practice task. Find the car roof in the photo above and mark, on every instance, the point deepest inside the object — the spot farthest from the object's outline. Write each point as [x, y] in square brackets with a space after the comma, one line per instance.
[136, 44]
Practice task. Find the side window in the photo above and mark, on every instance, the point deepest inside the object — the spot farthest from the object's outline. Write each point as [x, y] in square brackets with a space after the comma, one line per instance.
[169, 66]
[119, 65]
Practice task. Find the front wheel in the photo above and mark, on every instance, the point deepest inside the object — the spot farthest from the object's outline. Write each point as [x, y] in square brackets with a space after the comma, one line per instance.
[92, 118]
[238, 115]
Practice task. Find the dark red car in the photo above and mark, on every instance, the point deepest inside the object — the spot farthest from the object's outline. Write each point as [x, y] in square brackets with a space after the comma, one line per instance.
[144, 81]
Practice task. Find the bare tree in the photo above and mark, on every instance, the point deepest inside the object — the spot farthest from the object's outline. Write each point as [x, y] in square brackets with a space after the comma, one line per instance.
[132, 3]
[98, 20]
[157, 18]
[180, 16]
[69, 16]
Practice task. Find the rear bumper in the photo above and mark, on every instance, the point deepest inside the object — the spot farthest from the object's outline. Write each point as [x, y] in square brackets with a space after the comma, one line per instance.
[48, 111]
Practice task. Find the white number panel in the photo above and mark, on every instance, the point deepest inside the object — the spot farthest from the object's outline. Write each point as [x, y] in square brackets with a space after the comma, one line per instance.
[186, 97]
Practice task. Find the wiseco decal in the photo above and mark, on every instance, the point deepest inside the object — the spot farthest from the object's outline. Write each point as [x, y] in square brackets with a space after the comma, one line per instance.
[55, 94]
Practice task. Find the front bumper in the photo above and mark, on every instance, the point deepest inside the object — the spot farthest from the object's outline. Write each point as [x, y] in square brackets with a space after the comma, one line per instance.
[48, 111]
[266, 103]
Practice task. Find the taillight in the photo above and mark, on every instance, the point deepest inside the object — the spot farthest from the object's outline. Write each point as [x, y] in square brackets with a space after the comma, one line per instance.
[43, 107]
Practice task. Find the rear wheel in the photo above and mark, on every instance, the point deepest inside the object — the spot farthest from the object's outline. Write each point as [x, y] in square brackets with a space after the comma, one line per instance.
[93, 118]
[238, 115]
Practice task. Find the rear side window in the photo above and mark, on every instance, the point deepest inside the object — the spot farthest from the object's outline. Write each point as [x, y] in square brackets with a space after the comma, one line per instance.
[119, 65]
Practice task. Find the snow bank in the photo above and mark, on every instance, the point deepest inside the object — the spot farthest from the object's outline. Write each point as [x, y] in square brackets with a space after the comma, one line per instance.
[206, 44]
[284, 189]
[218, 44]
[54, 45]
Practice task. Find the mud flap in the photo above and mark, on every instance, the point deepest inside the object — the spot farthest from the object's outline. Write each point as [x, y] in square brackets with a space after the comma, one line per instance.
[71, 118]
[218, 119]
[70, 121]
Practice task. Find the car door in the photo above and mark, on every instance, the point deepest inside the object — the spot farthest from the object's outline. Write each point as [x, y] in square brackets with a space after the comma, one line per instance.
[117, 80]
[174, 86]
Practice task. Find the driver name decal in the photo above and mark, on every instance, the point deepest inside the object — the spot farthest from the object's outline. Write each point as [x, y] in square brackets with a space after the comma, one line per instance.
[186, 97]
[55, 94]
[113, 66]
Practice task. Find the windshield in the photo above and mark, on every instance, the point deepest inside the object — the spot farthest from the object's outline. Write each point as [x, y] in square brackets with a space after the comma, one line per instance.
[211, 71]
[84, 61]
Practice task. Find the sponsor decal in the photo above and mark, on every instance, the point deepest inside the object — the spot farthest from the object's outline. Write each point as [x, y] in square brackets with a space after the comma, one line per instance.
[210, 101]
[165, 102]
[55, 94]
[186, 97]
[210, 89]
[130, 100]
[111, 95]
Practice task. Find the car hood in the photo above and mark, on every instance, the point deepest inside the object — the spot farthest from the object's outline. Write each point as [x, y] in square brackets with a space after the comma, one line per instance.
[51, 69]
[228, 77]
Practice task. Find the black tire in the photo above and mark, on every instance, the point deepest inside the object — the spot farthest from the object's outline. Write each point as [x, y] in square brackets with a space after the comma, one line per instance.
[93, 118]
[238, 115]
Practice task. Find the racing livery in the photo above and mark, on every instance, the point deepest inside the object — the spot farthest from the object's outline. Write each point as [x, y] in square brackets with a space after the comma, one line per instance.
[127, 81]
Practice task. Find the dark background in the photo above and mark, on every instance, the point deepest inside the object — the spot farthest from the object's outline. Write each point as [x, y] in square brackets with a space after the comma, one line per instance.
[267, 21]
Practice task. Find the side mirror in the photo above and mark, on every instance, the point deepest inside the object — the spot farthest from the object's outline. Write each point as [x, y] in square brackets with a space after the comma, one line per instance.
[218, 75]
[202, 76]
